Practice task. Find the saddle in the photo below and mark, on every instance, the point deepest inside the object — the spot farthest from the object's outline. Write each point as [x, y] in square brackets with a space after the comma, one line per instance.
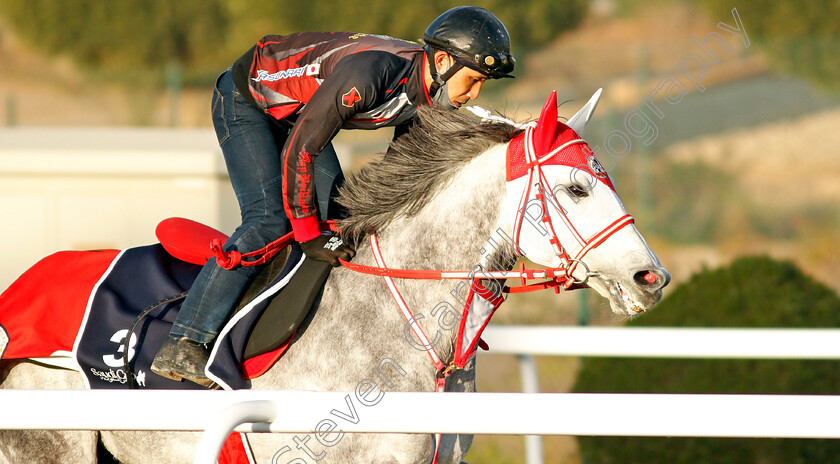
[270, 311]
[188, 241]
[107, 312]
[57, 313]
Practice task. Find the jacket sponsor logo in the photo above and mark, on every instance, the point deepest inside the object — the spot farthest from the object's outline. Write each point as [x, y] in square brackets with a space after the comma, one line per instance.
[304, 180]
[308, 70]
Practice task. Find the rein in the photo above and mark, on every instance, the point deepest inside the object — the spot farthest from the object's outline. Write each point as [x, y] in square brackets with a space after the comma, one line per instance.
[558, 276]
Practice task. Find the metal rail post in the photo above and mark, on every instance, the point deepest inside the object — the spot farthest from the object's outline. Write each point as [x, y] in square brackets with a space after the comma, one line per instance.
[531, 384]
[246, 412]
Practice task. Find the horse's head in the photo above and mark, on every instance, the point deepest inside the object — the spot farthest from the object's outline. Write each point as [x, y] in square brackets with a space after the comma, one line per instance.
[565, 212]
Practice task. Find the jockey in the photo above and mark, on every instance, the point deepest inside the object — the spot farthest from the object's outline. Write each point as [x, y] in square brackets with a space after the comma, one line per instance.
[276, 111]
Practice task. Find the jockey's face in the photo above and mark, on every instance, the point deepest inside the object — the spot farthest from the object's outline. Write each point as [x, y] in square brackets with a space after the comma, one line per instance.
[464, 85]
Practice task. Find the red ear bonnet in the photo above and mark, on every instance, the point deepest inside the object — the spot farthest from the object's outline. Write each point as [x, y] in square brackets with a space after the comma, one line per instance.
[548, 135]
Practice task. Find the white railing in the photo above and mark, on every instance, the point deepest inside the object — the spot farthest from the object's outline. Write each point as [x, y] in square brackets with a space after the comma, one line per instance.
[665, 342]
[779, 416]
[651, 342]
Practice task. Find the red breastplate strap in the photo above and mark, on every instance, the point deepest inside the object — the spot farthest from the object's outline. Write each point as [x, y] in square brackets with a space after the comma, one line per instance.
[404, 309]
[481, 304]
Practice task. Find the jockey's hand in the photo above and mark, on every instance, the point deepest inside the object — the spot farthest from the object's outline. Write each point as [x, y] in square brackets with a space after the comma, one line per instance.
[328, 248]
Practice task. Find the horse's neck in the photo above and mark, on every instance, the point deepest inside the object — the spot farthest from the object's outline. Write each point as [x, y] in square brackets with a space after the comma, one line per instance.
[450, 233]
[358, 317]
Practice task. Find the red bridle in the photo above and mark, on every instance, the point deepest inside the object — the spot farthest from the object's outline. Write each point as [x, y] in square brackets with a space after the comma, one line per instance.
[543, 193]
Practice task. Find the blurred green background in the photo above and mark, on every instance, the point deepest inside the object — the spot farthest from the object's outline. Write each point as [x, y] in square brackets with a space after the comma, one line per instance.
[750, 165]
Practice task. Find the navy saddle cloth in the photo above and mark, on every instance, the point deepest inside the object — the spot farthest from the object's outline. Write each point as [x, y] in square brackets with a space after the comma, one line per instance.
[147, 276]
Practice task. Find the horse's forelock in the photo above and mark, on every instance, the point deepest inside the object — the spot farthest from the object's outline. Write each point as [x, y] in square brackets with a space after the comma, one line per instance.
[415, 167]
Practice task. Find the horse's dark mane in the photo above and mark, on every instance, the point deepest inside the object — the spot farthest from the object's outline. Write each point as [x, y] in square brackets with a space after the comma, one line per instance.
[415, 167]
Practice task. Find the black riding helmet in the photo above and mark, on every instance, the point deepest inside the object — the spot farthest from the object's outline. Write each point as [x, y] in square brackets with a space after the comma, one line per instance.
[475, 37]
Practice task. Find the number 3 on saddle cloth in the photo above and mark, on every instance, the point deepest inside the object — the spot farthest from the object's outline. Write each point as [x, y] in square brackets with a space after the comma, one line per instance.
[83, 304]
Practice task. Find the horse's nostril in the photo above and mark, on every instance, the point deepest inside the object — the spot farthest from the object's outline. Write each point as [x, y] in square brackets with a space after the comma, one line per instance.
[645, 278]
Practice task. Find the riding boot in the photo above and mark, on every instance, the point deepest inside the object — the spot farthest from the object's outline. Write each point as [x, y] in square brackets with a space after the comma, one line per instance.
[181, 358]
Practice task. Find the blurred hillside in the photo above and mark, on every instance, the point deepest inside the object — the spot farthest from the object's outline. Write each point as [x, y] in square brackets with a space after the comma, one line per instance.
[152, 45]
[710, 186]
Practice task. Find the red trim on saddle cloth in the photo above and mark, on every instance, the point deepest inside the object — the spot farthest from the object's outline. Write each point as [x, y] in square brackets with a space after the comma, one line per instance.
[54, 293]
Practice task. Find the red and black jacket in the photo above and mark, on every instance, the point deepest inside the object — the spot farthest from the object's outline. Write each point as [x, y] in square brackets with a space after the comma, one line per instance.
[321, 82]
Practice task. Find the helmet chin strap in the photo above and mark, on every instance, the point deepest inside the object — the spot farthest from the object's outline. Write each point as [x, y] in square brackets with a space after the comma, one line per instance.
[442, 97]
[439, 80]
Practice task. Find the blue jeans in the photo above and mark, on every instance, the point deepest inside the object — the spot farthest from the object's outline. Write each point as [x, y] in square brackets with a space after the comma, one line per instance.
[252, 144]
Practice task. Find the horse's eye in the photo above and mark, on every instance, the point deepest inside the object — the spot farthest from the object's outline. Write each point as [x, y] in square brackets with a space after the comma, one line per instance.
[578, 191]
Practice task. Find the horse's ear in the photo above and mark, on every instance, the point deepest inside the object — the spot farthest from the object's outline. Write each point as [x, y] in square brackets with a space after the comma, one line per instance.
[544, 133]
[579, 121]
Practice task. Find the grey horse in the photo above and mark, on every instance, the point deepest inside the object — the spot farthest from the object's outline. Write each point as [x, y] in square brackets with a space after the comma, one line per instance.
[442, 198]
